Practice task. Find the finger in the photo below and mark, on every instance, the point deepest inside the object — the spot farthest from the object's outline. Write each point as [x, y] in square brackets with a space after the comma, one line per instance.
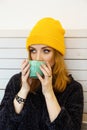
[39, 77]
[26, 69]
[25, 77]
[23, 61]
[27, 74]
[24, 64]
[47, 63]
[45, 70]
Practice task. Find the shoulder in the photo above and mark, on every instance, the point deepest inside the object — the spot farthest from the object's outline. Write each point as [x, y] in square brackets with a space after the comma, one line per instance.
[14, 82]
[15, 78]
[74, 89]
[74, 85]
[73, 92]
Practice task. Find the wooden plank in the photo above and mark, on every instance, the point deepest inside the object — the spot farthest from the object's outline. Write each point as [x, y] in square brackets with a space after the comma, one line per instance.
[84, 84]
[78, 75]
[25, 32]
[10, 63]
[21, 42]
[22, 53]
[76, 64]
[76, 54]
[85, 107]
[85, 97]
[76, 33]
[14, 33]
[16, 63]
[12, 42]
[76, 43]
[13, 53]
[84, 125]
[2, 94]
[7, 74]
[3, 83]
[85, 117]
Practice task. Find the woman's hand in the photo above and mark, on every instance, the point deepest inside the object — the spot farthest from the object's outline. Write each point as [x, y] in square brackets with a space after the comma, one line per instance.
[25, 69]
[25, 88]
[47, 80]
[52, 104]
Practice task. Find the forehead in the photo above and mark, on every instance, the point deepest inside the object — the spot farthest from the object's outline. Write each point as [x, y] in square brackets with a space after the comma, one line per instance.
[39, 46]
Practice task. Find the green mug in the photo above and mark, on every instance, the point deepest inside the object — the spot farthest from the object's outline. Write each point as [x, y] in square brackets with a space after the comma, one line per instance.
[35, 67]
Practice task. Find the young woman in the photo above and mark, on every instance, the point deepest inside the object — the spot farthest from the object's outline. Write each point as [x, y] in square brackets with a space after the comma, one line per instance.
[50, 102]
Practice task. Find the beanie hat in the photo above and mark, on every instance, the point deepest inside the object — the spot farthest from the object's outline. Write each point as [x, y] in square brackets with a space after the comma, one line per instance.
[47, 31]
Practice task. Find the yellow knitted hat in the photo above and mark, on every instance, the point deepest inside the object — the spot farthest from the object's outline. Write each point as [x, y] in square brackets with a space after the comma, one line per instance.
[47, 31]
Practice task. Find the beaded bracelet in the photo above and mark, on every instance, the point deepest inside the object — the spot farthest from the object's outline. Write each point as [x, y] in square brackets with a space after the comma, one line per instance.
[19, 99]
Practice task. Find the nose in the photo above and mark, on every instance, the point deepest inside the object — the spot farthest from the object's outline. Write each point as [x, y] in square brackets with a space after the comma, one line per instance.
[38, 56]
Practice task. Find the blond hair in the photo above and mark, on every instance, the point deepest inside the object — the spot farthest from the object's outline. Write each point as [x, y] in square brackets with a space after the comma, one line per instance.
[60, 73]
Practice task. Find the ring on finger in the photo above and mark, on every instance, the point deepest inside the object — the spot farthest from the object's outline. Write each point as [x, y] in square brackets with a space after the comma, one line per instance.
[48, 75]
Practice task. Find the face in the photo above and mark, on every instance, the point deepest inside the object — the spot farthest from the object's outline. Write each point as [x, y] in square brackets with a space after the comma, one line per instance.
[42, 53]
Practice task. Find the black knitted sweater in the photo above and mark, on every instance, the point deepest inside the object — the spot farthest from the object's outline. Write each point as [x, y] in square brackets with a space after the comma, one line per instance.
[34, 115]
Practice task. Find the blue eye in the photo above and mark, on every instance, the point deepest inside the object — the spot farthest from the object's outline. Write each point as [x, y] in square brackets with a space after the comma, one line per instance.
[46, 51]
[32, 51]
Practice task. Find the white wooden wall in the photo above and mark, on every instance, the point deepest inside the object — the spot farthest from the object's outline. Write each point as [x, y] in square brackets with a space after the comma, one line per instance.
[12, 52]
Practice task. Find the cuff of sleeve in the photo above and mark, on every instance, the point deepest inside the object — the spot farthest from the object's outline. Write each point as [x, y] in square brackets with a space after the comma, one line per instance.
[60, 119]
[13, 115]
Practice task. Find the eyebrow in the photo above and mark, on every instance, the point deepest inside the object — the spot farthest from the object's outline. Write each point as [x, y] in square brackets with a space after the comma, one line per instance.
[41, 48]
